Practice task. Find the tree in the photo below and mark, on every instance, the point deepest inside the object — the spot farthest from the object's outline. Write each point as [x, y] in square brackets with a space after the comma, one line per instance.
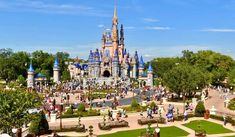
[21, 80]
[200, 109]
[5, 52]
[185, 78]
[162, 65]
[65, 75]
[231, 77]
[215, 63]
[14, 108]
[39, 124]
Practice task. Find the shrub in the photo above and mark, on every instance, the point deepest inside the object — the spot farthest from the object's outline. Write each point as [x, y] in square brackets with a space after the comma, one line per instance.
[39, 125]
[144, 121]
[152, 105]
[104, 127]
[231, 104]
[76, 129]
[134, 103]
[200, 109]
[81, 108]
[112, 124]
[221, 118]
[69, 111]
[92, 112]
[180, 117]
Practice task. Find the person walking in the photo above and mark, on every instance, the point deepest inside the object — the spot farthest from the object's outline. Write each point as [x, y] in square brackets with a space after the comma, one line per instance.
[185, 115]
[225, 119]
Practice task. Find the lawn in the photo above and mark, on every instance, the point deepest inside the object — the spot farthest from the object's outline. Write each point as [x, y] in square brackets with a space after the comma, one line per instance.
[210, 127]
[165, 132]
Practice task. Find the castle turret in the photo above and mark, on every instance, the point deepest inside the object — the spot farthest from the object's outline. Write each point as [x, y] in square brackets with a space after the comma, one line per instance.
[30, 77]
[56, 71]
[90, 64]
[121, 43]
[141, 66]
[127, 68]
[150, 75]
[115, 64]
[97, 64]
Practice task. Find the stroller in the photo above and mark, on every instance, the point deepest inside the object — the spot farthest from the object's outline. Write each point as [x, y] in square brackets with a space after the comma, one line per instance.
[170, 117]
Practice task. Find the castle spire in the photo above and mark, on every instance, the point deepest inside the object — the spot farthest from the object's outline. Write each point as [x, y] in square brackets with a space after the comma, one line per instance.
[115, 10]
[115, 38]
[122, 35]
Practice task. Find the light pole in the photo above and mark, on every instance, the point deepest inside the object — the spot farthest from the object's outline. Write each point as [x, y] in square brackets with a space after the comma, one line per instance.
[14, 131]
[61, 110]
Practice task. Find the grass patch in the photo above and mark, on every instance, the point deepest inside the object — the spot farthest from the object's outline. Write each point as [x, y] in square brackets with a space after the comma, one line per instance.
[165, 132]
[209, 127]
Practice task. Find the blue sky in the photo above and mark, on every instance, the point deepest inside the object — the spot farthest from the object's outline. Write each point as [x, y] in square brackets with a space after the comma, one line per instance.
[156, 28]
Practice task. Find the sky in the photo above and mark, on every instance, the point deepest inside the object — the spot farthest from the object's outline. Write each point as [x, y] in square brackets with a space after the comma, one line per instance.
[156, 28]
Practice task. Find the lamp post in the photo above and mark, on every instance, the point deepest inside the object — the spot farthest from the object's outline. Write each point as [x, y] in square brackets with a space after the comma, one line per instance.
[14, 131]
[61, 109]
[157, 130]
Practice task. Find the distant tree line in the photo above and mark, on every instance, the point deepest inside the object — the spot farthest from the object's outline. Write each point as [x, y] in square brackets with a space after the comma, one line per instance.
[194, 70]
[14, 65]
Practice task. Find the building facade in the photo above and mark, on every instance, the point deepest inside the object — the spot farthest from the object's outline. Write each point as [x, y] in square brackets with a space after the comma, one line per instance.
[112, 61]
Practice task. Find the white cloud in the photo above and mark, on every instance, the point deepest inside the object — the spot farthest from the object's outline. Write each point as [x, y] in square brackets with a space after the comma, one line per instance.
[101, 26]
[129, 27]
[150, 20]
[157, 28]
[219, 30]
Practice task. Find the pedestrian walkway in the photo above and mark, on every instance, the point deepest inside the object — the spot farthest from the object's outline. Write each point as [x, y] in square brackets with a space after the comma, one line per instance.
[214, 100]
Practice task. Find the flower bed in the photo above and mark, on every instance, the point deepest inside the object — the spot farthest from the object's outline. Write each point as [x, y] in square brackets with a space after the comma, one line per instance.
[112, 124]
[144, 121]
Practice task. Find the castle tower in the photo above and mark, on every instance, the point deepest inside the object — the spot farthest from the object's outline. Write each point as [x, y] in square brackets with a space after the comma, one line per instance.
[91, 63]
[30, 77]
[135, 65]
[150, 76]
[121, 48]
[97, 64]
[127, 68]
[115, 65]
[141, 66]
[115, 38]
[56, 71]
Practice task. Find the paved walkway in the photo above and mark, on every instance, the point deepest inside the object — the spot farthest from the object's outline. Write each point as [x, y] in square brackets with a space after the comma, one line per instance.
[134, 125]
[214, 100]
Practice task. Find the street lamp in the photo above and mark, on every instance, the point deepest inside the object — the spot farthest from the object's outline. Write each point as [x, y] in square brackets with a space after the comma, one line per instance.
[14, 131]
[157, 130]
[61, 110]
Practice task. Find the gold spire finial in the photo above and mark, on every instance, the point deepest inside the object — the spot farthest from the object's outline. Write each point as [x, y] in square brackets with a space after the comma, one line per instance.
[115, 10]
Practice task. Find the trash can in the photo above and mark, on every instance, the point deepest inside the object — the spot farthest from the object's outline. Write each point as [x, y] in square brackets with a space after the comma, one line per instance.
[207, 114]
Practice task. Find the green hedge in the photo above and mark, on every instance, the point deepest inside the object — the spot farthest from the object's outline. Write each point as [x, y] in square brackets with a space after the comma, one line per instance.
[231, 104]
[221, 118]
[82, 114]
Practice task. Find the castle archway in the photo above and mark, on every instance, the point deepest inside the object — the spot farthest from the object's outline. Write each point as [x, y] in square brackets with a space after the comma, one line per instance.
[106, 73]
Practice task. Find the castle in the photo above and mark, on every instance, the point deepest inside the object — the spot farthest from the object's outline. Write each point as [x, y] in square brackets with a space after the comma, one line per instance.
[112, 61]
[39, 80]
[107, 65]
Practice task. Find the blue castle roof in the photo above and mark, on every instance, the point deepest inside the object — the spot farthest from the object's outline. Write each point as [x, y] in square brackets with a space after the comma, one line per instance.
[40, 75]
[56, 63]
[150, 67]
[141, 62]
[31, 68]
